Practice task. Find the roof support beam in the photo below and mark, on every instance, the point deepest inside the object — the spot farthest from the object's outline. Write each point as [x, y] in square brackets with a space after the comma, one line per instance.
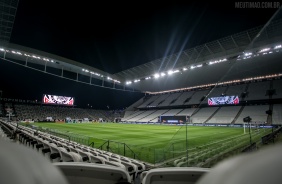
[221, 46]
[209, 49]
[8, 14]
[4, 20]
[7, 5]
[234, 41]
[249, 36]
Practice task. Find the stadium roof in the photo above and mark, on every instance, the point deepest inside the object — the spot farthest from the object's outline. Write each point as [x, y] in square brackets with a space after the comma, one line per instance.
[227, 47]
[8, 9]
[230, 46]
[223, 48]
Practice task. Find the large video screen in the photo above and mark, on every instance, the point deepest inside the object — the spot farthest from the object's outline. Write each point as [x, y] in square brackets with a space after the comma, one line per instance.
[174, 119]
[223, 100]
[57, 100]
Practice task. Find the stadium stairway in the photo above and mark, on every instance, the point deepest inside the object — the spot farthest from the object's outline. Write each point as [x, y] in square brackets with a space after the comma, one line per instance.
[212, 115]
[238, 114]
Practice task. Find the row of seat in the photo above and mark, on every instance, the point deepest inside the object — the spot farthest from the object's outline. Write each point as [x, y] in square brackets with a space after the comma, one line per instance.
[29, 167]
[83, 164]
[56, 149]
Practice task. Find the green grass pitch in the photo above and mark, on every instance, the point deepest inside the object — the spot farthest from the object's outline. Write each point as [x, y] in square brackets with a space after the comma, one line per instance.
[148, 142]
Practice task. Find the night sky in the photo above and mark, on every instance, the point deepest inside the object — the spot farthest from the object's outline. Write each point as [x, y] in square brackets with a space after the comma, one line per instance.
[114, 36]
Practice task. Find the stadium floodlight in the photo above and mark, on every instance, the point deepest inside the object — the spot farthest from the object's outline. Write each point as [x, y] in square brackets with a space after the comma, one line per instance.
[248, 54]
[147, 78]
[157, 75]
[1, 49]
[15, 52]
[128, 82]
[264, 50]
[137, 80]
[213, 62]
[184, 69]
[276, 47]
[170, 72]
[162, 74]
[86, 71]
[52, 61]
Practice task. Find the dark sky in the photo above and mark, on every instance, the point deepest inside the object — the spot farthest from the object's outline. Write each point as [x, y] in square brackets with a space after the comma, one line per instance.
[114, 36]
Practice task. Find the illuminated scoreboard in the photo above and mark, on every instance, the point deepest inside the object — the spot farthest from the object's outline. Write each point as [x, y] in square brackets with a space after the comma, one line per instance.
[223, 100]
[58, 100]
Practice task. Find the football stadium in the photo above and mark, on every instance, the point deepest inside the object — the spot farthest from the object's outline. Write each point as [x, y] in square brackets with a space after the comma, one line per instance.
[211, 113]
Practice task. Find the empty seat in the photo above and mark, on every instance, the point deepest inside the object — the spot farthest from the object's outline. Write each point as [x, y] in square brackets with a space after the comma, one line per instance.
[263, 166]
[88, 173]
[22, 165]
[66, 156]
[172, 175]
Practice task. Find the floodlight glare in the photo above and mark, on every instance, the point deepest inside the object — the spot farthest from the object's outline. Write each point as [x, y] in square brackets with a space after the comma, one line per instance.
[170, 72]
[162, 74]
[248, 54]
[264, 50]
[157, 75]
[185, 69]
